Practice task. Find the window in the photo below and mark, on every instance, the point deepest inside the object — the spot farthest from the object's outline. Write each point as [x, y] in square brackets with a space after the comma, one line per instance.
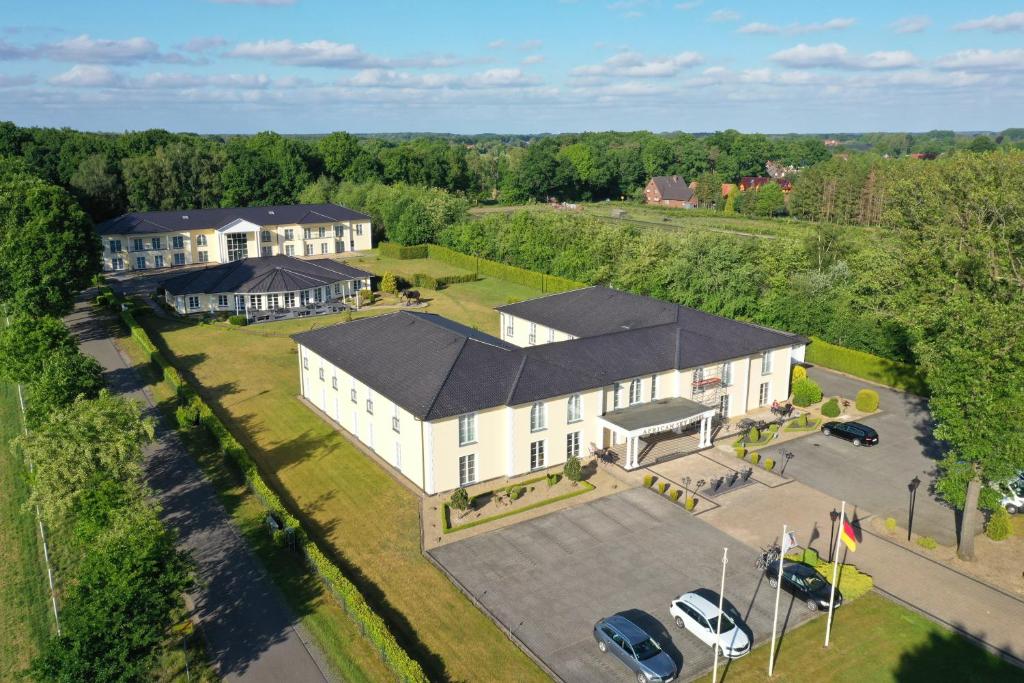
[467, 429]
[200, 240]
[762, 395]
[574, 409]
[255, 300]
[551, 334]
[369, 435]
[138, 245]
[193, 303]
[467, 469]
[158, 261]
[318, 295]
[358, 284]
[305, 363]
[337, 288]
[321, 231]
[398, 455]
[266, 251]
[634, 391]
[321, 373]
[140, 262]
[289, 250]
[536, 455]
[204, 257]
[179, 259]
[272, 301]
[289, 234]
[222, 301]
[723, 406]
[334, 383]
[264, 236]
[324, 246]
[115, 246]
[352, 395]
[766, 363]
[726, 374]
[239, 302]
[369, 402]
[359, 228]
[617, 395]
[533, 334]
[307, 233]
[289, 300]
[509, 326]
[178, 242]
[155, 242]
[117, 263]
[654, 387]
[572, 445]
[395, 424]
[309, 250]
[538, 420]
[237, 247]
[338, 230]
[304, 297]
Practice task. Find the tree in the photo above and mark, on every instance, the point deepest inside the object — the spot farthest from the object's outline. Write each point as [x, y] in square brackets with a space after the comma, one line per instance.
[413, 226]
[982, 143]
[83, 443]
[339, 150]
[28, 342]
[265, 169]
[460, 500]
[388, 283]
[709, 191]
[730, 200]
[65, 376]
[48, 250]
[573, 470]
[179, 175]
[769, 201]
[97, 185]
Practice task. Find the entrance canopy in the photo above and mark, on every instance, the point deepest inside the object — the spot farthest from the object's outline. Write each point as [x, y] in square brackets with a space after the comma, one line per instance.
[657, 416]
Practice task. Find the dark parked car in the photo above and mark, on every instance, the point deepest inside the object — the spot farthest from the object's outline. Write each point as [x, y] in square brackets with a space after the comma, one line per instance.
[635, 647]
[804, 583]
[855, 432]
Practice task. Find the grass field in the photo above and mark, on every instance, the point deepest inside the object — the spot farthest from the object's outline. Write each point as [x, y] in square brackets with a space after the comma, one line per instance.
[367, 520]
[873, 639]
[25, 617]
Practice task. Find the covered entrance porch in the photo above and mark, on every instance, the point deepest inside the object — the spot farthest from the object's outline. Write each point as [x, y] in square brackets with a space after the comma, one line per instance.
[655, 430]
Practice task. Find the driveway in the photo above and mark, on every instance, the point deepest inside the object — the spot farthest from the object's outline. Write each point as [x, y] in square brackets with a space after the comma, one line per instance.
[548, 580]
[875, 479]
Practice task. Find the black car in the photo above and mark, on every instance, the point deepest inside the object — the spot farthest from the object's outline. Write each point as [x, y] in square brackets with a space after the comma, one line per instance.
[854, 432]
[804, 583]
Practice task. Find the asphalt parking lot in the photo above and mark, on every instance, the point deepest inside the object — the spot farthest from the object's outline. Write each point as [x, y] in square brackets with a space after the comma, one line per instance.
[548, 580]
[875, 478]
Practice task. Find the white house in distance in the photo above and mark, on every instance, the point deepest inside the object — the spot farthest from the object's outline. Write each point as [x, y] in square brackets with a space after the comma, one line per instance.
[271, 284]
[449, 406]
[163, 239]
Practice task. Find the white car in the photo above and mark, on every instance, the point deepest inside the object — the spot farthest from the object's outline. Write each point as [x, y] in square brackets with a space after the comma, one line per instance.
[1013, 501]
[698, 613]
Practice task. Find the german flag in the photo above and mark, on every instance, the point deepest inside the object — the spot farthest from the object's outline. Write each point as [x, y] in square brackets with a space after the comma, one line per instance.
[846, 535]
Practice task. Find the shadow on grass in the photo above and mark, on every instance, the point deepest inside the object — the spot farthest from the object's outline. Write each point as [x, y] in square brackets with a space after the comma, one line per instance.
[948, 656]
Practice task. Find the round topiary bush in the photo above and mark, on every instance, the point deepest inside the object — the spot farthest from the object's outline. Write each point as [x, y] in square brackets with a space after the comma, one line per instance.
[690, 503]
[805, 392]
[867, 400]
[238, 320]
[769, 464]
[831, 408]
[755, 457]
[754, 435]
[998, 527]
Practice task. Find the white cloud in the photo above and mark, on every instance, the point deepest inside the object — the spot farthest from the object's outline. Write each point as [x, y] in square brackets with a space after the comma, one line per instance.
[16, 81]
[722, 15]
[533, 59]
[635, 65]
[497, 44]
[86, 50]
[531, 44]
[312, 53]
[202, 44]
[179, 80]
[1007, 22]
[911, 24]
[796, 28]
[834, 55]
[88, 76]
[983, 60]
[10, 52]
[759, 27]
[490, 79]
[687, 6]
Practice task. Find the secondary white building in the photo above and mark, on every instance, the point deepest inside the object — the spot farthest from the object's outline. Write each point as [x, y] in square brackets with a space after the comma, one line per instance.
[449, 406]
[163, 239]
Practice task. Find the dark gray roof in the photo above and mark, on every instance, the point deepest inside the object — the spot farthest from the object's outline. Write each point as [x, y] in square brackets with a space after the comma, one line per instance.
[435, 368]
[262, 274]
[673, 187]
[144, 222]
[655, 413]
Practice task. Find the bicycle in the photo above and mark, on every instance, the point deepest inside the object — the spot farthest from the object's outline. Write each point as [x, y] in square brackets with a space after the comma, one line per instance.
[768, 557]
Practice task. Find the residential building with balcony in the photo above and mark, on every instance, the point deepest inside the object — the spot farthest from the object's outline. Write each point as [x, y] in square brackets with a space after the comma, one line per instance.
[163, 239]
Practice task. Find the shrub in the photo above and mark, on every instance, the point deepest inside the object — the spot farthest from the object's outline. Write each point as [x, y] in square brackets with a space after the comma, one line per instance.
[802, 420]
[799, 373]
[423, 280]
[365, 297]
[187, 415]
[674, 495]
[890, 524]
[648, 480]
[554, 479]
[662, 487]
[867, 400]
[773, 428]
[927, 542]
[998, 527]
[516, 492]
[238, 320]
[459, 500]
[755, 457]
[769, 464]
[545, 283]
[446, 280]
[860, 364]
[805, 392]
[573, 470]
[741, 451]
[397, 251]
[754, 435]
[831, 408]
[388, 283]
[690, 503]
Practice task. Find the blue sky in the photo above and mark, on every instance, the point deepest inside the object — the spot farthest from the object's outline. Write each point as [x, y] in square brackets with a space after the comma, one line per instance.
[308, 66]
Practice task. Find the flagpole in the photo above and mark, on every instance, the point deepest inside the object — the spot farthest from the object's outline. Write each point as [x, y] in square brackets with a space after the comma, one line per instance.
[778, 592]
[835, 575]
[721, 601]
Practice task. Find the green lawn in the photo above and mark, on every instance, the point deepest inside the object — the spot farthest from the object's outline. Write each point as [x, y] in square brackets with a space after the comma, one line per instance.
[367, 520]
[25, 616]
[873, 639]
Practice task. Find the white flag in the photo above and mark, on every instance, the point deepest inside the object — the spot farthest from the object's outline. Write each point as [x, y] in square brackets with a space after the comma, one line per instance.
[789, 541]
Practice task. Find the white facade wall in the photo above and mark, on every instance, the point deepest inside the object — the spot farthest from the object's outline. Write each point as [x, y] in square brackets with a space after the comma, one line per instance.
[224, 302]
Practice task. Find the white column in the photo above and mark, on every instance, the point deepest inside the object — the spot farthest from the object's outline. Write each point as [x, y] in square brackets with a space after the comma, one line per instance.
[510, 444]
[428, 459]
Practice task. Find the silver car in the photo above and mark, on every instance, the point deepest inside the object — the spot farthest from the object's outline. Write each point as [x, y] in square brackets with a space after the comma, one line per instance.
[636, 648]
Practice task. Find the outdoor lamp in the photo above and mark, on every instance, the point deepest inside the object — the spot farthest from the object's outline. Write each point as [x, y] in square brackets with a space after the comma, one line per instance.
[914, 483]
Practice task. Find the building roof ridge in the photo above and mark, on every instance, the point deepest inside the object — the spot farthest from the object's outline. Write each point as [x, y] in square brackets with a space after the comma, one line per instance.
[550, 294]
[443, 382]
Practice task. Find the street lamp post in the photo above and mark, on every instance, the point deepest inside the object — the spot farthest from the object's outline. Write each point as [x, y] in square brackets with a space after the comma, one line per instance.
[788, 455]
[834, 515]
[912, 487]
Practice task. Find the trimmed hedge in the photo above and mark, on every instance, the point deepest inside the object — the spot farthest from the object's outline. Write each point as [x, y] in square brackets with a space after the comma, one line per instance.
[867, 366]
[347, 593]
[397, 251]
[436, 283]
[240, 320]
[546, 283]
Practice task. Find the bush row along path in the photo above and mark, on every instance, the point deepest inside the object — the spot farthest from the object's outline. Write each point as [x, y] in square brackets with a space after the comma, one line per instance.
[251, 634]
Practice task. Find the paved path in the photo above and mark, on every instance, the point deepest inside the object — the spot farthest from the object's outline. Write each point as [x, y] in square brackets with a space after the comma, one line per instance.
[251, 633]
